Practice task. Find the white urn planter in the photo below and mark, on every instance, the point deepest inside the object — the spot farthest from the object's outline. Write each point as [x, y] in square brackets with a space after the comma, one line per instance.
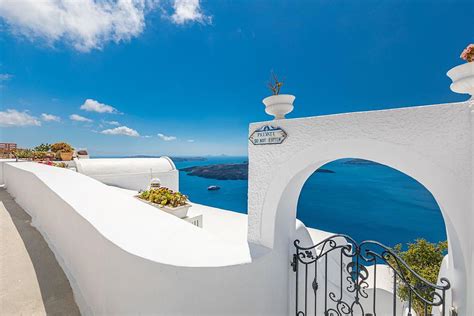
[279, 105]
[463, 79]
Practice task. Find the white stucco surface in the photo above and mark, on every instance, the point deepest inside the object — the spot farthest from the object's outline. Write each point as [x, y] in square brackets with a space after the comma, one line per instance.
[128, 222]
[2, 166]
[227, 225]
[130, 173]
[123, 256]
[432, 144]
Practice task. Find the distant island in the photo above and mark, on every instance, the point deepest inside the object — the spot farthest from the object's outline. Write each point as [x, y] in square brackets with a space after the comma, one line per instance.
[234, 171]
[237, 171]
[175, 159]
[357, 161]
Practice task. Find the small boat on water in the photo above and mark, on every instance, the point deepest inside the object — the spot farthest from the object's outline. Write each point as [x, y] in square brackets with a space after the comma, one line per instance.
[213, 188]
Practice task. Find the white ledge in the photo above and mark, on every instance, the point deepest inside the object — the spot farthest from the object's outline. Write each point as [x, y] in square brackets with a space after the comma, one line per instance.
[138, 228]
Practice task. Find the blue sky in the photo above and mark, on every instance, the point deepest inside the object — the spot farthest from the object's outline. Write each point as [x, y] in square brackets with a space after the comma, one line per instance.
[183, 77]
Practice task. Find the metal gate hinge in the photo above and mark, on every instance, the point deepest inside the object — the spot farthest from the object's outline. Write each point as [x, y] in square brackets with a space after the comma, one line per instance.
[294, 263]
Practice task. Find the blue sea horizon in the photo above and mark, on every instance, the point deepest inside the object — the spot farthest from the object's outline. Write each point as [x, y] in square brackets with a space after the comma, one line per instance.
[364, 201]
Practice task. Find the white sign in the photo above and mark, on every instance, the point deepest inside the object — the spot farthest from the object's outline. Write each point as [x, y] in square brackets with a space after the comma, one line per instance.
[268, 135]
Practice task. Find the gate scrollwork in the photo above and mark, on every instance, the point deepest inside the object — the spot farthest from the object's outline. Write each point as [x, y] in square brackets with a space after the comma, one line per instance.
[338, 276]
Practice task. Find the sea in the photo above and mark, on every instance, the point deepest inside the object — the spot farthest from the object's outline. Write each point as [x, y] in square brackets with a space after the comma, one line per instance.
[366, 201]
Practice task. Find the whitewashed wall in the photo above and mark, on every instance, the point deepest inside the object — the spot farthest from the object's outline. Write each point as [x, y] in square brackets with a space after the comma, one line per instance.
[432, 144]
[2, 167]
[124, 257]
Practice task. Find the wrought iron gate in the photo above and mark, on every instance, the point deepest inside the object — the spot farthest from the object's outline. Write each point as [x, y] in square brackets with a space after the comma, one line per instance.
[339, 276]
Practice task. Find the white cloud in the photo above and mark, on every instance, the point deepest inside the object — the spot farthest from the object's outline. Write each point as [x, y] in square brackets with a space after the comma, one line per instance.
[95, 106]
[147, 136]
[188, 11]
[166, 138]
[83, 24]
[115, 123]
[50, 117]
[78, 118]
[5, 77]
[121, 130]
[10, 118]
[190, 140]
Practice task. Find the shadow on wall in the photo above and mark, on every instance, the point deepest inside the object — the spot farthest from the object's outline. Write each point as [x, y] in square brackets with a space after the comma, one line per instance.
[55, 289]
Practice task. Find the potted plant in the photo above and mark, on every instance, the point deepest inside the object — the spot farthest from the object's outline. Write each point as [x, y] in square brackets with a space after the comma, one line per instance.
[63, 150]
[167, 200]
[278, 104]
[23, 154]
[39, 155]
[463, 75]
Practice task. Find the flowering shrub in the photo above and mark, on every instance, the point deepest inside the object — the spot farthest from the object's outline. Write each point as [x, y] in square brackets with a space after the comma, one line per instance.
[164, 197]
[468, 53]
[53, 164]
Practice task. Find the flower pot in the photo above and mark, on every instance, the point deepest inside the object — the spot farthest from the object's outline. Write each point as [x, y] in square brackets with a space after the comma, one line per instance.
[463, 79]
[65, 156]
[279, 105]
[180, 211]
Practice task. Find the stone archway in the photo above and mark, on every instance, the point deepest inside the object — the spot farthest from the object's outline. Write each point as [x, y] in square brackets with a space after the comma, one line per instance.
[421, 148]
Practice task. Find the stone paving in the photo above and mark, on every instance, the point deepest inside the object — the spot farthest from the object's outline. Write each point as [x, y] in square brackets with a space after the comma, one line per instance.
[31, 280]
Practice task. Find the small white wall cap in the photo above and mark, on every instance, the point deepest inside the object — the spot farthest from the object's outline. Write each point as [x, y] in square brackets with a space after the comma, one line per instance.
[279, 98]
[279, 105]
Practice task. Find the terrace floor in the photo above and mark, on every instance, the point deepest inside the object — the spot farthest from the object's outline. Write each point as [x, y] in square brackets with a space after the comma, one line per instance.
[31, 280]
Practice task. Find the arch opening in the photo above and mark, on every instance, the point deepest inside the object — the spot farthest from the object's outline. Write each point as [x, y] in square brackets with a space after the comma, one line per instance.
[369, 201]
[371, 195]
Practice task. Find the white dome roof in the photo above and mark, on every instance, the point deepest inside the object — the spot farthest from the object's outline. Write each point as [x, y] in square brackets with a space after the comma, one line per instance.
[131, 173]
[120, 166]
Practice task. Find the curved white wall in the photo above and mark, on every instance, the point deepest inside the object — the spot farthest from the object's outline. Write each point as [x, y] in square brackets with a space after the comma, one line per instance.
[2, 167]
[432, 144]
[123, 256]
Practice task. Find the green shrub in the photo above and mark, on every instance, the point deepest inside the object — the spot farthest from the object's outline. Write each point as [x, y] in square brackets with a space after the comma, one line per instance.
[425, 259]
[23, 153]
[43, 147]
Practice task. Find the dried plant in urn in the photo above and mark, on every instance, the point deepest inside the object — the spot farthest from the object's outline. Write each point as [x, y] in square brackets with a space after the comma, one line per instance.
[275, 85]
[278, 104]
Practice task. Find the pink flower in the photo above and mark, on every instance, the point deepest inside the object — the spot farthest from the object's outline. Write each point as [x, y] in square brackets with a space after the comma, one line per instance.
[468, 53]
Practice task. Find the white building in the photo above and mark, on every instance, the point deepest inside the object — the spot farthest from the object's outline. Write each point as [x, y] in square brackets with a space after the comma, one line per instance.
[123, 256]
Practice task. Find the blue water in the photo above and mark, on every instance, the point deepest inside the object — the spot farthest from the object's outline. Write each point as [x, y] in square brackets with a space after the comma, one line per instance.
[367, 201]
